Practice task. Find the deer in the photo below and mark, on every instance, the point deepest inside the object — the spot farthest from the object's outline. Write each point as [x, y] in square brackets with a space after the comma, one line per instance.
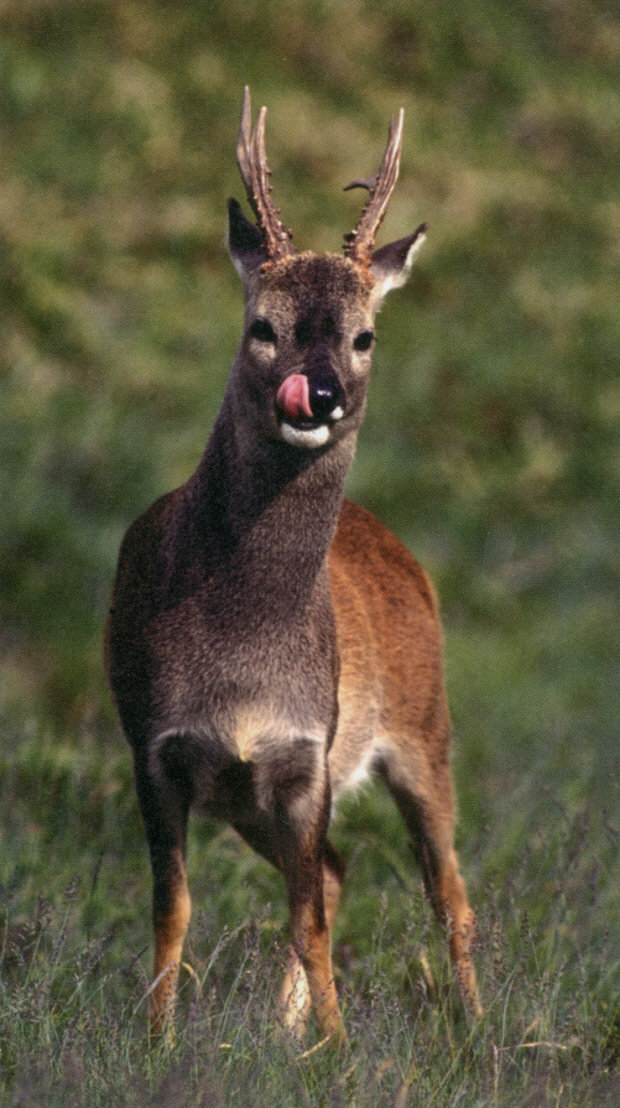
[270, 645]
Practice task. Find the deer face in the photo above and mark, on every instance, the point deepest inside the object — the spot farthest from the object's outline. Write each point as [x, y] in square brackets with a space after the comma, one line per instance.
[303, 366]
[306, 351]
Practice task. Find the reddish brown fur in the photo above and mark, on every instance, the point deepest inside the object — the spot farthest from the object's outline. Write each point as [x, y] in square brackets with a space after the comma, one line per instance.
[270, 645]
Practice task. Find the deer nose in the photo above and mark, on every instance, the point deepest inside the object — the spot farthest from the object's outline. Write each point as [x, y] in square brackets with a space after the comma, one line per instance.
[326, 397]
[318, 398]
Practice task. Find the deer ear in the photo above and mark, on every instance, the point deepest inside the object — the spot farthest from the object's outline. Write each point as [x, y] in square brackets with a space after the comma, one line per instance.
[391, 264]
[245, 242]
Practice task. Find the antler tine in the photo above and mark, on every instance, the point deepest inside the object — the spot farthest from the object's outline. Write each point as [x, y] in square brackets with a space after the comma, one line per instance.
[279, 237]
[255, 172]
[359, 243]
[243, 146]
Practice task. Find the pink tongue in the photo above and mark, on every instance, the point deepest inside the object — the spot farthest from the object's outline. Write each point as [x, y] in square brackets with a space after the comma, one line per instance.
[294, 397]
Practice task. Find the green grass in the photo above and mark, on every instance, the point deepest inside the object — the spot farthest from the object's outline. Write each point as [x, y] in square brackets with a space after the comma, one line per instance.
[490, 446]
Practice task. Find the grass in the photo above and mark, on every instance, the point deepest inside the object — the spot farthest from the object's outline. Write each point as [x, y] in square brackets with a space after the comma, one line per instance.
[73, 1013]
[490, 446]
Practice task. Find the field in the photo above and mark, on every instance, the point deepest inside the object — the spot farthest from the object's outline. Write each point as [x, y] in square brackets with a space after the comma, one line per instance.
[491, 446]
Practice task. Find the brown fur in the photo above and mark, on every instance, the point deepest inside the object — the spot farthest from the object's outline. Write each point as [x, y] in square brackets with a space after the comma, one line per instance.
[270, 645]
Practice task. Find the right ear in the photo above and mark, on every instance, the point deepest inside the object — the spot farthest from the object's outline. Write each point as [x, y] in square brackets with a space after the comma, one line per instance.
[391, 265]
[245, 243]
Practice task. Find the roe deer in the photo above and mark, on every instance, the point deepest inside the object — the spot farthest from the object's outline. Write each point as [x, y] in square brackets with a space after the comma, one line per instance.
[270, 644]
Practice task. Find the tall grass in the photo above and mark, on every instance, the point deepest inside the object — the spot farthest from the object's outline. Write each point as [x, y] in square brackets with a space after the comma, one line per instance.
[73, 1010]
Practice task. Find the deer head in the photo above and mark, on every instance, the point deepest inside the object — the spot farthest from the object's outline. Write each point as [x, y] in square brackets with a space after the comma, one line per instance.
[303, 366]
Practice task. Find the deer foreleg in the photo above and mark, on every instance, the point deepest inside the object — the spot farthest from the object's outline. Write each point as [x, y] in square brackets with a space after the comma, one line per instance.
[295, 999]
[310, 940]
[171, 916]
[164, 811]
[294, 784]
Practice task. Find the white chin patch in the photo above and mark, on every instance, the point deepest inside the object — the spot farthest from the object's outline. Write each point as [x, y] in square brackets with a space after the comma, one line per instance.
[310, 438]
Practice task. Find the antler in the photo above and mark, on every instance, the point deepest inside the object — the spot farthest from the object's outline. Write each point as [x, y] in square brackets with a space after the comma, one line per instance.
[255, 172]
[358, 244]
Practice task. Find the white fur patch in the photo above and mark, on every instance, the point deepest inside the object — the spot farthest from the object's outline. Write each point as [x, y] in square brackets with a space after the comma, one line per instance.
[255, 728]
[310, 437]
[258, 726]
[361, 773]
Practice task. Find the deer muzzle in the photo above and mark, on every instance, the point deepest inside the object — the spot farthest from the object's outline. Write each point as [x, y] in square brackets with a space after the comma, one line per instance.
[315, 400]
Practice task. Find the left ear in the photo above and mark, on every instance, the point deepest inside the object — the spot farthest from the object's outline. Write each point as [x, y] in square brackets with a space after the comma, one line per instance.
[245, 244]
[391, 264]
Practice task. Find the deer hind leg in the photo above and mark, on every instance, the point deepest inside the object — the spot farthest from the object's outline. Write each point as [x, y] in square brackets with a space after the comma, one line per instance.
[164, 811]
[430, 818]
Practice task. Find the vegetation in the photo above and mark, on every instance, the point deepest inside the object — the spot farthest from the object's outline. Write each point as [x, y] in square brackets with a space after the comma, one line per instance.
[490, 446]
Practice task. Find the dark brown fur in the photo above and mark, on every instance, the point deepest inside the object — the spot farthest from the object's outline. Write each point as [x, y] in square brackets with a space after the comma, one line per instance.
[269, 645]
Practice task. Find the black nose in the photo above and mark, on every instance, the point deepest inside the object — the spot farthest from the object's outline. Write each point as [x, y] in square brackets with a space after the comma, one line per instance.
[326, 397]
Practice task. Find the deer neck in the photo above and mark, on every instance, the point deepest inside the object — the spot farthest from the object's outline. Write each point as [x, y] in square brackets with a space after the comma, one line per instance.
[264, 512]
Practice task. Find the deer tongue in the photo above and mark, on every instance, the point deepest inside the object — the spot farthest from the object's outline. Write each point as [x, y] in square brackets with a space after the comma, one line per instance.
[293, 397]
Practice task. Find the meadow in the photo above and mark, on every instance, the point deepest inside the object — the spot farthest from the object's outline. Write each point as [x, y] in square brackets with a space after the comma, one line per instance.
[491, 447]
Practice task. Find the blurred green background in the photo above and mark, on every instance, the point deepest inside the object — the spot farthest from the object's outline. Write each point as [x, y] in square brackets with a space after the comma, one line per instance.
[491, 442]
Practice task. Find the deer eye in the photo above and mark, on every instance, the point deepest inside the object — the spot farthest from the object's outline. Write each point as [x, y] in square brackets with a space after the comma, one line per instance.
[262, 330]
[363, 341]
